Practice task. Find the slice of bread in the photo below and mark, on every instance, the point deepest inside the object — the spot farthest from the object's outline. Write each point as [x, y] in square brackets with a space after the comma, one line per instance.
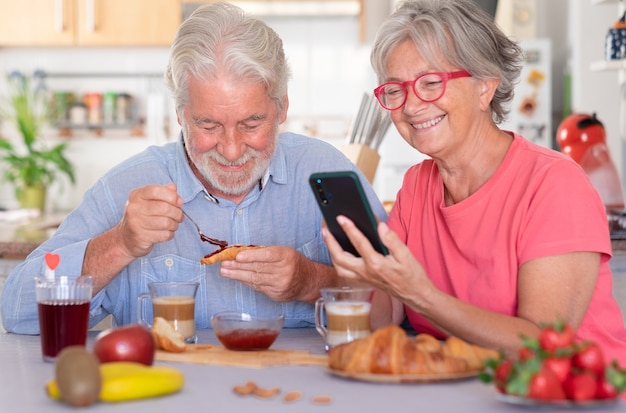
[166, 337]
[228, 253]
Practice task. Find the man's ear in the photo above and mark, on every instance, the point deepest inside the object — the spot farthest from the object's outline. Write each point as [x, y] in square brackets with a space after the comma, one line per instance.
[283, 115]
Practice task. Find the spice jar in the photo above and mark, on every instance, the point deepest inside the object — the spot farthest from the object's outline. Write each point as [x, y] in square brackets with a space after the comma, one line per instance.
[108, 107]
[78, 114]
[94, 108]
[122, 108]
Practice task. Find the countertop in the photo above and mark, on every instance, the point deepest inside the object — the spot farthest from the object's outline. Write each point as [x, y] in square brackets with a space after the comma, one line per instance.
[209, 388]
[19, 237]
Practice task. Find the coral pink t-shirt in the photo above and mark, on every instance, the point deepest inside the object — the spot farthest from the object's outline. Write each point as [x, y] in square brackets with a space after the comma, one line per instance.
[538, 203]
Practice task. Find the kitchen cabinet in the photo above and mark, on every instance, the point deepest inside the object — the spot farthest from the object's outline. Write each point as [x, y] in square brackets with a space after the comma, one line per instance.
[116, 23]
[287, 8]
[37, 22]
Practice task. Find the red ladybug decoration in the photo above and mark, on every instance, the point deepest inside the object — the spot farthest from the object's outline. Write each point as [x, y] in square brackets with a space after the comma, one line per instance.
[579, 132]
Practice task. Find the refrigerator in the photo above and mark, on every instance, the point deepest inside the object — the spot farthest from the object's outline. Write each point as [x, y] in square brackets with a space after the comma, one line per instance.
[531, 109]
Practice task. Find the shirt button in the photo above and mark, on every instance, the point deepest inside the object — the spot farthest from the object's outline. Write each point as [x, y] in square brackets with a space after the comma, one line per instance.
[239, 211]
[169, 262]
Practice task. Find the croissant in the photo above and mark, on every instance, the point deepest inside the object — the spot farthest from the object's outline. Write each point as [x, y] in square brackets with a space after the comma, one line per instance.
[390, 351]
[474, 355]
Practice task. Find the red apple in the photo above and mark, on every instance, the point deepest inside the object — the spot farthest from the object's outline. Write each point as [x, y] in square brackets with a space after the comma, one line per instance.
[128, 343]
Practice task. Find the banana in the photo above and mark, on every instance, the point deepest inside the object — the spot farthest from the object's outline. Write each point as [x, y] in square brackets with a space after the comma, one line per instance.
[120, 368]
[53, 390]
[124, 381]
[151, 382]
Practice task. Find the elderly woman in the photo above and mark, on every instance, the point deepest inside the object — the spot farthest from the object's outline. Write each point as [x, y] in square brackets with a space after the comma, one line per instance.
[493, 235]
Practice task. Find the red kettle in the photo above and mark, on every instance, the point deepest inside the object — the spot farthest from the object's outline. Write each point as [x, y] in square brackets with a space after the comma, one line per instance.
[583, 137]
[579, 132]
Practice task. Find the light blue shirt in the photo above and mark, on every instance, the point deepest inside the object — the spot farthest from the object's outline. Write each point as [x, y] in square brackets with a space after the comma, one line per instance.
[282, 212]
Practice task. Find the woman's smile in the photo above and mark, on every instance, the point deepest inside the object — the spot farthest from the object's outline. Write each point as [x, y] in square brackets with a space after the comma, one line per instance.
[428, 123]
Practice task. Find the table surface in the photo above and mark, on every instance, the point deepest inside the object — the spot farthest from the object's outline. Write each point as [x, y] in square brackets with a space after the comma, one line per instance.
[209, 388]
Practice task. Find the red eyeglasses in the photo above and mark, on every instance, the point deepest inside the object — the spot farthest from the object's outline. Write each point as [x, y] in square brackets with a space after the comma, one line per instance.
[428, 87]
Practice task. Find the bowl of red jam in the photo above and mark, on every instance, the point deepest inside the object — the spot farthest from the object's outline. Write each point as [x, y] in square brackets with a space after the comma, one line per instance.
[247, 332]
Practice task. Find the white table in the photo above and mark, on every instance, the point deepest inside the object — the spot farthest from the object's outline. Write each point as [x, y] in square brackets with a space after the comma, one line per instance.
[23, 375]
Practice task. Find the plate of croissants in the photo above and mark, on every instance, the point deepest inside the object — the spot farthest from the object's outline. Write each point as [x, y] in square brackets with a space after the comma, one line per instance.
[389, 355]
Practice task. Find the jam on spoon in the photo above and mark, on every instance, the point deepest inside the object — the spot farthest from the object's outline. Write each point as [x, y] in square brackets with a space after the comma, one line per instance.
[219, 243]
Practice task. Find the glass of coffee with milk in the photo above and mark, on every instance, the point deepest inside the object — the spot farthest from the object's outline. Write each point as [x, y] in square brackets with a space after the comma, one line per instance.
[343, 314]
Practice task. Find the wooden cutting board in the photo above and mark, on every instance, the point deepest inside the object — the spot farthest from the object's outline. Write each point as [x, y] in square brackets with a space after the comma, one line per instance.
[218, 355]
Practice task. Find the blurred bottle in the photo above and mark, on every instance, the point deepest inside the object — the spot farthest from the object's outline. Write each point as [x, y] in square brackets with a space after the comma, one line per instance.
[582, 137]
[108, 107]
[93, 101]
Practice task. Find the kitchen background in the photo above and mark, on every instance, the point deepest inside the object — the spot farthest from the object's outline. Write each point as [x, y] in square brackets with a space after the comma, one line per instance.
[328, 49]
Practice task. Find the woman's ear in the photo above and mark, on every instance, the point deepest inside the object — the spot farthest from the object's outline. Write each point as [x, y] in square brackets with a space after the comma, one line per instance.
[487, 90]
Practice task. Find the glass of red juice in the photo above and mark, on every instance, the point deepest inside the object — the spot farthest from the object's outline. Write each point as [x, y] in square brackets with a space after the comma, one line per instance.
[63, 306]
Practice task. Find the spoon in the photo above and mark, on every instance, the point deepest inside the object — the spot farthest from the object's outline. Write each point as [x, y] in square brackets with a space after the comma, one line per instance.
[221, 244]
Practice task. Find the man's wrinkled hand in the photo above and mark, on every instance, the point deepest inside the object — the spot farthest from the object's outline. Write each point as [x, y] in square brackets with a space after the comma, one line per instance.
[275, 271]
[151, 215]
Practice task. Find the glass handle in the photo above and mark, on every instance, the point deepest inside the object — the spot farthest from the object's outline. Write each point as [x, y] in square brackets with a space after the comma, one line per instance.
[319, 324]
[141, 310]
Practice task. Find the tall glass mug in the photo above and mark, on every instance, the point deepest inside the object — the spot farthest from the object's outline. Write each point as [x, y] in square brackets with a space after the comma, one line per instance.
[175, 302]
[343, 314]
[63, 307]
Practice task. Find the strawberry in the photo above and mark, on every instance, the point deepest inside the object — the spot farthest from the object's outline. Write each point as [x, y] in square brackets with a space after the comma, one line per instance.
[554, 366]
[525, 353]
[589, 356]
[605, 389]
[560, 366]
[581, 386]
[502, 373]
[544, 385]
[555, 337]
[616, 376]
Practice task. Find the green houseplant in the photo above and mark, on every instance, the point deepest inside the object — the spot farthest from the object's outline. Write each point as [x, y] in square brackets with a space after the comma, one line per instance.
[32, 165]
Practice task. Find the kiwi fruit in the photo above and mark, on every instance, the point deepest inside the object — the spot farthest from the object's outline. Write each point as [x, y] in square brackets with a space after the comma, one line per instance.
[77, 373]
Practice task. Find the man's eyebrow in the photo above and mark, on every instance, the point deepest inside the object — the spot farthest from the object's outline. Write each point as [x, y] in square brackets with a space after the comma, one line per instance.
[202, 119]
[254, 117]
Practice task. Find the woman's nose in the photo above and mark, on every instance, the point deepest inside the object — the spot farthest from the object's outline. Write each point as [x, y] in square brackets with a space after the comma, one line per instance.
[413, 102]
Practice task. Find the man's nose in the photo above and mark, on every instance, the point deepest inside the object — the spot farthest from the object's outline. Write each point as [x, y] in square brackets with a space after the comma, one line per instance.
[231, 146]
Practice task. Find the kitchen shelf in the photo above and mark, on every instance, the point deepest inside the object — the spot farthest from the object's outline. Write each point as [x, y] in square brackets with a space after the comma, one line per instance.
[594, 2]
[69, 125]
[98, 75]
[608, 65]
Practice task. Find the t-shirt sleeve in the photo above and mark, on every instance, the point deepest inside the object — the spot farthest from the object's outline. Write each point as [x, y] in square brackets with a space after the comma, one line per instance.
[565, 214]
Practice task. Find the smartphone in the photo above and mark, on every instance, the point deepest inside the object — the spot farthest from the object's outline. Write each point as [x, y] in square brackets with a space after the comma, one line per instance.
[341, 193]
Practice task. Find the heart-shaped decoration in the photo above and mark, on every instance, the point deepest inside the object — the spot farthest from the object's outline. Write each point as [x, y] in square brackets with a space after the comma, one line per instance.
[52, 260]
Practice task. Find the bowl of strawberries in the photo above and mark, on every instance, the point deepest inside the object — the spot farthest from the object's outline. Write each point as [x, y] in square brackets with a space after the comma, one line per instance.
[556, 369]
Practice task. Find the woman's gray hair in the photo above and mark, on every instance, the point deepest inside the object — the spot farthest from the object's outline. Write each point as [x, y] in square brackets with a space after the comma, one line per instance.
[461, 32]
[220, 36]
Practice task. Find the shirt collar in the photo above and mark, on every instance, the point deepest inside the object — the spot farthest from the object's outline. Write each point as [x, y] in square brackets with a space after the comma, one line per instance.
[278, 167]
